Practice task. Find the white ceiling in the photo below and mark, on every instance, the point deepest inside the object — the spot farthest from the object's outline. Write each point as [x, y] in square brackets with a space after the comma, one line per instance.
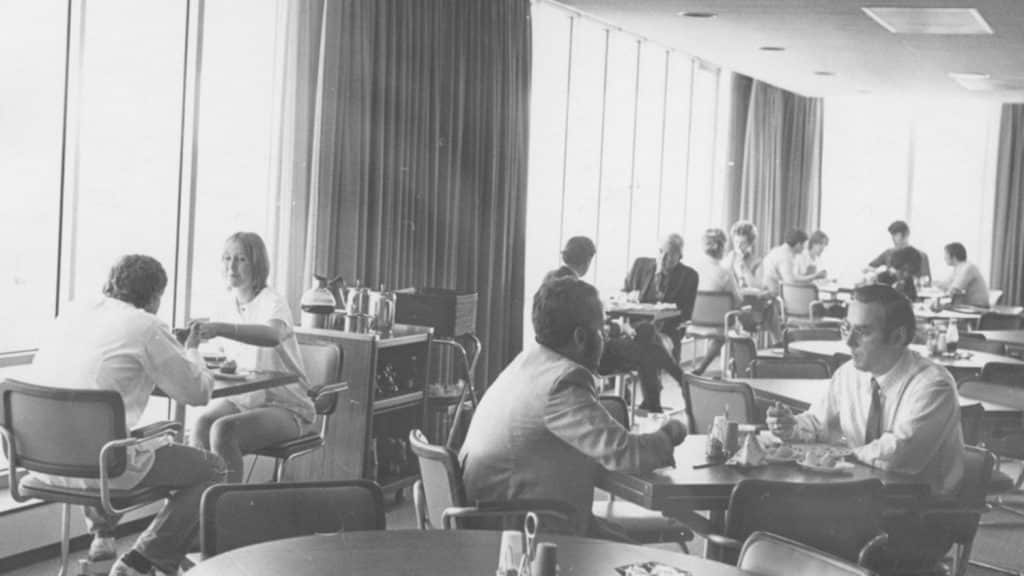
[835, 36]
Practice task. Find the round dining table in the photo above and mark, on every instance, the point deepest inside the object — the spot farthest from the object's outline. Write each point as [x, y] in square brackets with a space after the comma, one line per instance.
[433, 552]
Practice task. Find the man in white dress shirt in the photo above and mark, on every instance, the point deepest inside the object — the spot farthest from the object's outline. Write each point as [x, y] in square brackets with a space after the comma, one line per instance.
[116, 342]
[898, 410]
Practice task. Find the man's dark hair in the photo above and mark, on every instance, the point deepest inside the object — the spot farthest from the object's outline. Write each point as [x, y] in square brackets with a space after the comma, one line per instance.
[795, 236]
[135, 279]
[899, 227]
[578, 251]
[957, 251]
[559, 307]
[898, 309]
[817, 237]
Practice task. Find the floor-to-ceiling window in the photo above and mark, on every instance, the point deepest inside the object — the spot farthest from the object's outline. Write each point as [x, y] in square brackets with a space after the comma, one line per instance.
[622, 145]
[930, 163]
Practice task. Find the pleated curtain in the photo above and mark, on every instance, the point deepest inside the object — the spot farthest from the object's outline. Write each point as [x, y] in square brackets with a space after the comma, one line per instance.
[780, 184]
[1008, 225]
[420, 154]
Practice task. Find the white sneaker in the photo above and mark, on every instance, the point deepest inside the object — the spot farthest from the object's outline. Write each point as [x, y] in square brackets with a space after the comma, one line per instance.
[121, 569]
[102, 548]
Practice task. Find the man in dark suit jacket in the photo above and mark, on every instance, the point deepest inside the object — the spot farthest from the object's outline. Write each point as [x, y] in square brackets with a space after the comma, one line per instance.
[665, 279]
[577, 255]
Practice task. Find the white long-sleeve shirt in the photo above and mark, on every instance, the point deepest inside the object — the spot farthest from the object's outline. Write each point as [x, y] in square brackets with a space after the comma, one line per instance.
[920, 420]
[107, 344]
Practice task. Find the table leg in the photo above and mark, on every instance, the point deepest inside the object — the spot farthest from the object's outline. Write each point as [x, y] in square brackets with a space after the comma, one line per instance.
[179, 416]
[717, 520]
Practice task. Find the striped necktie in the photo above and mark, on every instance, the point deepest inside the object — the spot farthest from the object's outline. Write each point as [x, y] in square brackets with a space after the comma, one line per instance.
[873, 428]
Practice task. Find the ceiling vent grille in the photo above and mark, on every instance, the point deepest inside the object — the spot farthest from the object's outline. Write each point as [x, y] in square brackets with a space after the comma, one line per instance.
[929, 20]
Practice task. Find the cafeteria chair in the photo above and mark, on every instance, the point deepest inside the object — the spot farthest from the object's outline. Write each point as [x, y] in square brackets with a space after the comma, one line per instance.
[707, 397]
[769, 554]
[840, 518]
[799, 302]
[322, 361]
[1004, 373]
[790, 367]
[643, 525]
[997, 321]
[978, 343]
[994, 296]
[796, 334]
[970, 422]
[713, 314]
[236, 515]
[957, 518]
[77, 434]
[440, 501]
[742, 352]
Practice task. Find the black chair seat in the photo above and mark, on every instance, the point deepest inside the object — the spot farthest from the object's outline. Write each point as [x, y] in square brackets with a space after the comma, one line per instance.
[644, 525]
[302, 443]
[35, 487]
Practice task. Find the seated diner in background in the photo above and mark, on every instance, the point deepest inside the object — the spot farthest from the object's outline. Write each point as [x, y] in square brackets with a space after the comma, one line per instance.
[254, 326]
[714, 277]
[809, 262]
[638, 349]
[116, 342]
[540, 431]
[965, 283]
[897, 410]
[902, 272]
[900, 233]
[665, 279]
[779, 265]
[741, 259]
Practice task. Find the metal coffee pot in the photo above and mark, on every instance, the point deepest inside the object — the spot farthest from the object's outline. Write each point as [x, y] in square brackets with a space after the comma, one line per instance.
[382, 307]
[358, 314]
[317, 304]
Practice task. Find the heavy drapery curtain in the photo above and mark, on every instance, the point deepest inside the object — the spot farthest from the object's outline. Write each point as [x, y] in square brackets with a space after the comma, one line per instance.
[1008, 228]
[780, 187]
[421, 153]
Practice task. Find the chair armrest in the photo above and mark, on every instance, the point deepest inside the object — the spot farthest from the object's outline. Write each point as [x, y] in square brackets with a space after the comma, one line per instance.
[327, 390]
[124, 443]
[156, 428]
[871, 548]
[492, 509]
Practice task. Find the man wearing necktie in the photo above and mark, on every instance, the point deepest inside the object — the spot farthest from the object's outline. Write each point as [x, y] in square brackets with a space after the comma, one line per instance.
[898, 411]
[665, 279]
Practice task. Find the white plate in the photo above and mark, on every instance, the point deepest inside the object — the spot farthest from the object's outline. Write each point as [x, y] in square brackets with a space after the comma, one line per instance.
[841, 467]
[235, 377]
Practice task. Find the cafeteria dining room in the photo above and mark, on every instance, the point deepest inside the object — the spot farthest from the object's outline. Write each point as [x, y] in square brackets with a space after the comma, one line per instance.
[526, 286]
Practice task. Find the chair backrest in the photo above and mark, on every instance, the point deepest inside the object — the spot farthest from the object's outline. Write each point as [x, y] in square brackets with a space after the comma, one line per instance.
[997, 321]
[710, 308]
[440, 475]
[61, 431]
[970, 422]
[742, 352]
[797, 298]
[769, 554]
[236, 515]
[1004, 373]
[817, 333]
[994, 296]
[980, 344]
[322, 361]
[970, 499]
[790, 367]
[706, 398]
[616, 406]
[838, 518]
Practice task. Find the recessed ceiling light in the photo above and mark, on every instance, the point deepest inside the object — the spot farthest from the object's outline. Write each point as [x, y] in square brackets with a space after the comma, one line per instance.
[929, 20]
[824, 73]
[697, 14]
[976, 81]
[863, 91]
[772, 48]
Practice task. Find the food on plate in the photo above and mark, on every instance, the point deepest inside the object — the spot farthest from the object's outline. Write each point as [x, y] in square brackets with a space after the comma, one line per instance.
[784, 451]
[229, 367]
[821, 458]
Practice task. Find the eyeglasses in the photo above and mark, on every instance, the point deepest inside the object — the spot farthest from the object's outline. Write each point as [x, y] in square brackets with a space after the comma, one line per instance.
[847, 329]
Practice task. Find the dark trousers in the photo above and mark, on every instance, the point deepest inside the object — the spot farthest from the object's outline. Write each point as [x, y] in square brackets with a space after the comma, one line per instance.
[645, 354]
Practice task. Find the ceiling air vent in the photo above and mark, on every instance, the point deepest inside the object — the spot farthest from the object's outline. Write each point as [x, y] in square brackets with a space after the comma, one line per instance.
[929, 20]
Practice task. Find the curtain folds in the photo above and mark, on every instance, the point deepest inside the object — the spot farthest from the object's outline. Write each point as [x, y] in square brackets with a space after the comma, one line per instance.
[1008, 225]
[780, 185]
[420, 153]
